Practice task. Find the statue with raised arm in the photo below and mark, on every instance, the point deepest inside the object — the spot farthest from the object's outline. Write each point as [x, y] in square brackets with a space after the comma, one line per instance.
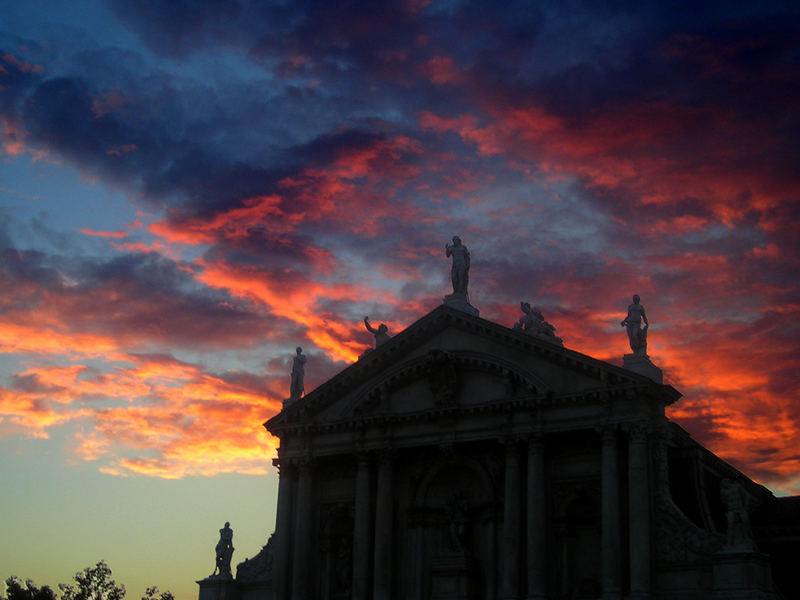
[381, 333]
[637, 334]
[459, 273]
[298, 374]
[224, 550]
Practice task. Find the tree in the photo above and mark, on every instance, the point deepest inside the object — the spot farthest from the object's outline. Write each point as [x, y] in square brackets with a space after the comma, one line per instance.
[16, 591]
[94, 583]
[153, 594]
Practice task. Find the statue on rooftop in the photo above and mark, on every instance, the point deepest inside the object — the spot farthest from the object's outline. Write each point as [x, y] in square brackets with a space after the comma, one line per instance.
[637, 334]
[459, 273]
[298, 374]
[381, 333]
[533, 322]
[737, 511]
[224, 550]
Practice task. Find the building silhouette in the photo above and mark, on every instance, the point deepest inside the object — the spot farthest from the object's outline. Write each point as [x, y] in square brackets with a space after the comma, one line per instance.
[462, 459]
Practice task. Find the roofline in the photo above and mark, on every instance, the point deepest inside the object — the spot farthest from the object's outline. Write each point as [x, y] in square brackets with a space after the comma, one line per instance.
[446, 314]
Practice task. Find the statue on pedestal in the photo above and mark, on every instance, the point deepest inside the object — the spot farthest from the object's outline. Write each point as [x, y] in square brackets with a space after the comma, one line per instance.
[459, 273]
[381, 333]
[533, 322]
[737, 512]
[224, 550]
[298, 374]
[637, 335]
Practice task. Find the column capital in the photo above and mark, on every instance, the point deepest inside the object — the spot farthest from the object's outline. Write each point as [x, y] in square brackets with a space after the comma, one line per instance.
[638, 432]
[385, 453]
[608, 433]
[302, 463]
[512, 440]
[284, 466]
[535, 442]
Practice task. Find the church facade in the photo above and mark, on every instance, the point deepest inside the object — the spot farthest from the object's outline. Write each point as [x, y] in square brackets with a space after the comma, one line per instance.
[462, 459]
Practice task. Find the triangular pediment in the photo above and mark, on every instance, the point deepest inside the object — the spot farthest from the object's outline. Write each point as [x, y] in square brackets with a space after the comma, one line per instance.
[450, 359]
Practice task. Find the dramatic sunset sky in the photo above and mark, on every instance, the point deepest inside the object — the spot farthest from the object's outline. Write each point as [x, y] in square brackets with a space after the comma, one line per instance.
[190, 190]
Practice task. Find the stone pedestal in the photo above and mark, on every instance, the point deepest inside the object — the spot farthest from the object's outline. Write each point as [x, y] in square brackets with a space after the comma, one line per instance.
[216, 587]
[742, 576]
[640, 363]
[450, 578]
[459, 302]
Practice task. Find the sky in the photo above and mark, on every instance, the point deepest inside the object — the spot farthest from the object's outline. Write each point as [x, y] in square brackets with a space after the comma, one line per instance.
[188, 191]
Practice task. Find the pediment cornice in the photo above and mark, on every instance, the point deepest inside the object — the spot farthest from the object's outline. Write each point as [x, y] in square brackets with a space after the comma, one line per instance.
[393, 362]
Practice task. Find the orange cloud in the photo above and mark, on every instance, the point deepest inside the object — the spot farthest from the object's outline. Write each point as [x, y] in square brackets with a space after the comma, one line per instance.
[13, 137]
[107, 234]
[294, 298]
[193, 421]
[229, 224]
[45, 335]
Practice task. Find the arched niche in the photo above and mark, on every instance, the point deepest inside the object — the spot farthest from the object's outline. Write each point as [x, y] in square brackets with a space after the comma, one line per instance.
[454, 530]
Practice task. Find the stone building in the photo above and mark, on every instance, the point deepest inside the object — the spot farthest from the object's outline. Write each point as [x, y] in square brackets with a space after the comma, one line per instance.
[462, 459]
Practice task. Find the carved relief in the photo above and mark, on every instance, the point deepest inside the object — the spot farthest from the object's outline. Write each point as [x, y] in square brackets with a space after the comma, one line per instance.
[258, 568]
[376, 400]
[678, 539]
[440, 369]
[336, 547]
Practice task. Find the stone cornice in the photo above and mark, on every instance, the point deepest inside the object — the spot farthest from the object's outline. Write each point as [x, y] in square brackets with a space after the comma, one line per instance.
[386, 356]
[523, 403]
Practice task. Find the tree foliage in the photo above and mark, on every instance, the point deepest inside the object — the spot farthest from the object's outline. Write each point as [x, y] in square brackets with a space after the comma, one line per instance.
[16, 591]
[152, 593]
[93, 583]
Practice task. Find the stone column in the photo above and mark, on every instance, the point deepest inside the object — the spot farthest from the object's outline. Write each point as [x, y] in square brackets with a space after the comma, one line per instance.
[361, 533]
[537, 574]
[610, 516]
[511, 524]
[302, 533]
[491, 574]
[283, 531]
[639, 512]
[382, 589]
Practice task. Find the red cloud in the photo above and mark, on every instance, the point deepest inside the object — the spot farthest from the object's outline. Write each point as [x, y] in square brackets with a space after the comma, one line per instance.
[294, 298]
[230, 224]
[442, 70]
[106, 234]
[655, 153]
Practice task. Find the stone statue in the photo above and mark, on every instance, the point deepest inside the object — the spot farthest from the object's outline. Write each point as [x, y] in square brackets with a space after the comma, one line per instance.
[735, 499]
[224, 551]
[457, 523]
[637, 334]
[533, 322]
[381, 333]
[298, 374]
[442, 377]
[459, 273]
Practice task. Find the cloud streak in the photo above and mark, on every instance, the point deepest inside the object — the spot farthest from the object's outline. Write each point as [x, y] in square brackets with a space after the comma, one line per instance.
[313, 176]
